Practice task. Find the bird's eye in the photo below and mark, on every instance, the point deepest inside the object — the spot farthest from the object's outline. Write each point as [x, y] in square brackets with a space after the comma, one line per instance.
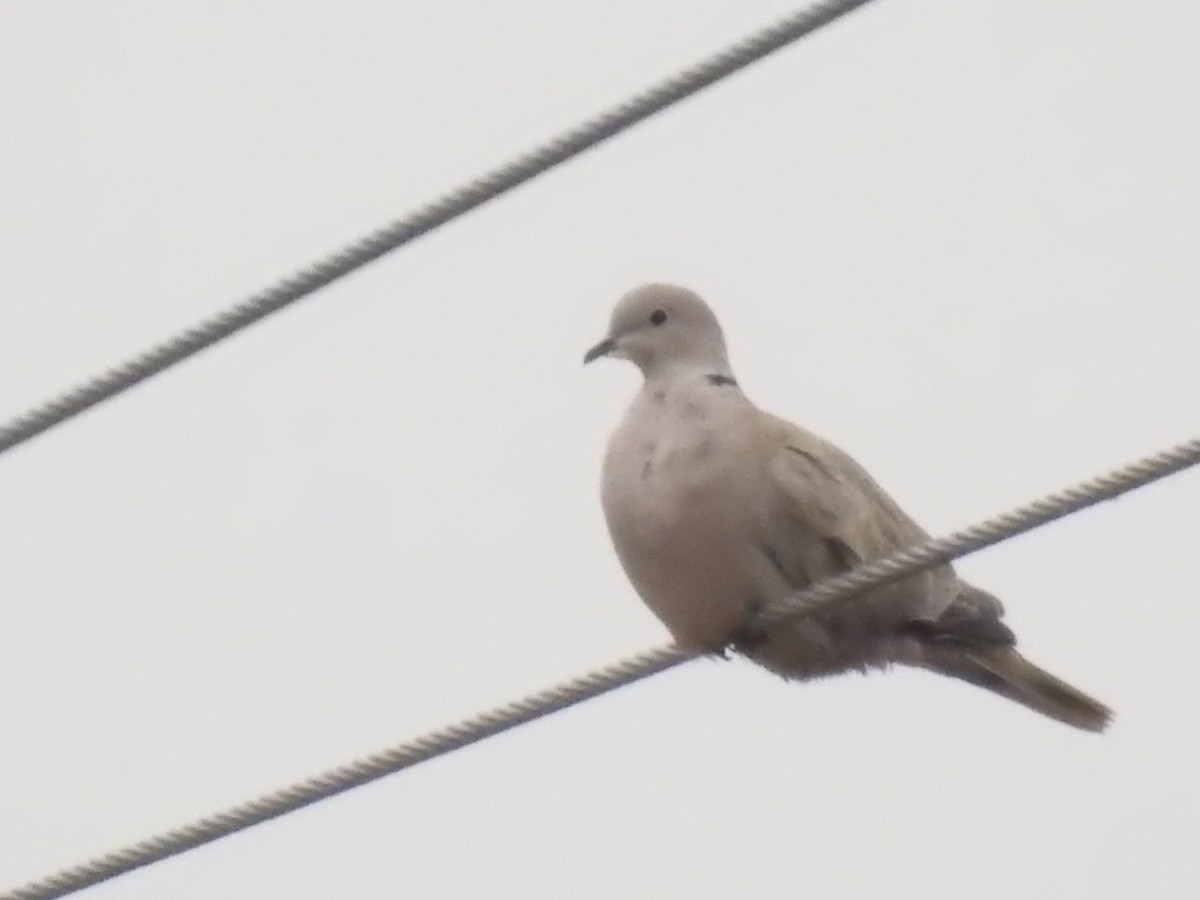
[658, 317]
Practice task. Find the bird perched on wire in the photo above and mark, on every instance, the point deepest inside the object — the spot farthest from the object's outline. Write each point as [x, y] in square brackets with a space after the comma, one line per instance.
[718, 509]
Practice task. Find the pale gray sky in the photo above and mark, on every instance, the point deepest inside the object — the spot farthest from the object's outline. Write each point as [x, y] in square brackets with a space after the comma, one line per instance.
[958, 239]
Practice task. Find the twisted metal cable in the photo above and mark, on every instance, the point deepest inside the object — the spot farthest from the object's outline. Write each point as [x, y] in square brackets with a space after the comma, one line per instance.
[600, 681]
[361, 771]
[450, 206]
[1000, 528]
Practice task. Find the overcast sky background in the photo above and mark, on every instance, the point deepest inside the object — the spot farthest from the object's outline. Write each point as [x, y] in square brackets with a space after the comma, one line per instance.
[958, 239]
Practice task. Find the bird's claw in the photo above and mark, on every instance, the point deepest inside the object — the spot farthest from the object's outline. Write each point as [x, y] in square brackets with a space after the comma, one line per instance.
[723, 651]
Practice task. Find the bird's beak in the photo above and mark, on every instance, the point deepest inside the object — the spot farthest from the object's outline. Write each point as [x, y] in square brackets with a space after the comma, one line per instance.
[603, 348]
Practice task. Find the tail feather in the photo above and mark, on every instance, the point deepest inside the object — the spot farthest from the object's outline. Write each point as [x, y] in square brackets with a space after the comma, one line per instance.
[1009, 674]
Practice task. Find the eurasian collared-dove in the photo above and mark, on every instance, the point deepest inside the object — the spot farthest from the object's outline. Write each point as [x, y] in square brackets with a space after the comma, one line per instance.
[717, 509]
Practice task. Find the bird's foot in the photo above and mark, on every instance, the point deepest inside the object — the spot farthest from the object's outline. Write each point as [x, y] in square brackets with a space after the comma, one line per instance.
[748, 636]
[723, 651]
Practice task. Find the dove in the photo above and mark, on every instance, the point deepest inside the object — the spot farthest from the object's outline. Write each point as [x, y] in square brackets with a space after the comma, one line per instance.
[718, 510]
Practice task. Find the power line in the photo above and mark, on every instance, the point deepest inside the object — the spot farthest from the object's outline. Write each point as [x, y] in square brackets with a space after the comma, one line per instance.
[999, 528]
[438, 743]
[445, 209]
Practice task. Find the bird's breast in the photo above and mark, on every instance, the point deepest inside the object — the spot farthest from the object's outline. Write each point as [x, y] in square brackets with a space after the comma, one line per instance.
[678, 520]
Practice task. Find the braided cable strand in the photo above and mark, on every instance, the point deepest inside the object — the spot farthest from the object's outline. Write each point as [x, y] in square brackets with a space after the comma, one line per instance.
[355, 774]
[900, 565]
[1033, 515]
[450, 206]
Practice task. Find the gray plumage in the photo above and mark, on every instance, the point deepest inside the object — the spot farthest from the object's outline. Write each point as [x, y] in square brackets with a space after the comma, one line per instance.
[717, 508]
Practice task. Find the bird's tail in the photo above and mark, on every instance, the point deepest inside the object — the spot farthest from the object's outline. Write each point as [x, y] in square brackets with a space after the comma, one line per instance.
[1009, 674]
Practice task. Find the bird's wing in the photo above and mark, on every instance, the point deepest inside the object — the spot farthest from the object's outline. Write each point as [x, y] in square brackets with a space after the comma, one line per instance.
[825, 515]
